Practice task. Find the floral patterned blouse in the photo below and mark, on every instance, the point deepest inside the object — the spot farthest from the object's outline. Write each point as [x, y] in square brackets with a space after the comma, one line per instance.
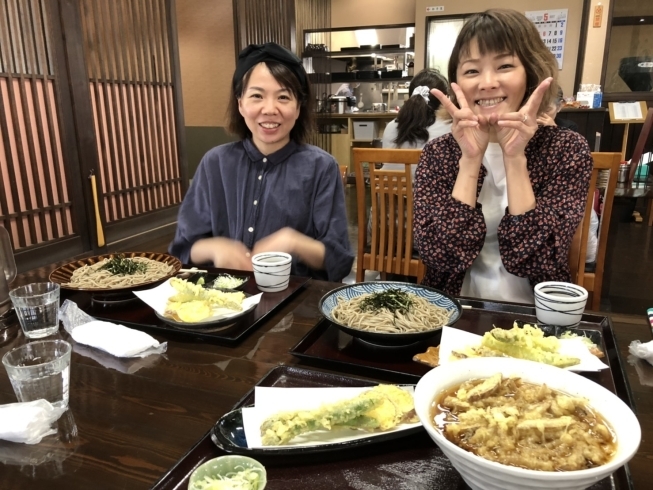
[450, 234]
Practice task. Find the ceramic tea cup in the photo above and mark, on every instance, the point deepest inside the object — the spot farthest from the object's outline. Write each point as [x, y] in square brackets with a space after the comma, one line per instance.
[559, 303]
[272, 271]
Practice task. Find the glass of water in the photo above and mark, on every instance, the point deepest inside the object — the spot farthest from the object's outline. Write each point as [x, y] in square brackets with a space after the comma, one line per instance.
[40, 369]
[37, 307]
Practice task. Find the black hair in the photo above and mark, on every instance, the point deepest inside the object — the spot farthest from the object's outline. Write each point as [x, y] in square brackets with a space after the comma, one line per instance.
[287, 79]
[417, 115]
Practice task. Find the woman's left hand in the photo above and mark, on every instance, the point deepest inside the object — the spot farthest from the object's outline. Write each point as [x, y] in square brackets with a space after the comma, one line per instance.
[284, 240]
[515, 129]
[307, 250]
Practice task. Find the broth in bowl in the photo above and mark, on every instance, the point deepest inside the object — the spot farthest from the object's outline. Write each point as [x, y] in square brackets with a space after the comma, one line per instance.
[530, 426]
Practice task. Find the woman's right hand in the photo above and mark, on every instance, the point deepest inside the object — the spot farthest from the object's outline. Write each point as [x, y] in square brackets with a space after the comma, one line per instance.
[225, 253]
[471, 132]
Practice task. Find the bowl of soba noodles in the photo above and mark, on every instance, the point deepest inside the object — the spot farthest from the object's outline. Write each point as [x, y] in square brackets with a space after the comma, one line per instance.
[390, 313]
[513, 424]
[117, 274]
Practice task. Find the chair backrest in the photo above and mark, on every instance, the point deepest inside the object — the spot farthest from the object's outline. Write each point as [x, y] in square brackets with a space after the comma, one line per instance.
[391, 245]
[639, 146]
[602, 161]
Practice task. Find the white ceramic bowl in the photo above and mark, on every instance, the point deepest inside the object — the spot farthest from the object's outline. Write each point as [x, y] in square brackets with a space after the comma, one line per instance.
[480, 473]
[559, 303]
[271, 271]
[224, 465]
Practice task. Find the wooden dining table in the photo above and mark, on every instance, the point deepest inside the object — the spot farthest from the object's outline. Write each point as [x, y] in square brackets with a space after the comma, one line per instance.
[131, 421]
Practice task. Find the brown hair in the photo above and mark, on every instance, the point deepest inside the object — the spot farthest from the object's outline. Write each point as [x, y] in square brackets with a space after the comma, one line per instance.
[508, 31]
[287, 79]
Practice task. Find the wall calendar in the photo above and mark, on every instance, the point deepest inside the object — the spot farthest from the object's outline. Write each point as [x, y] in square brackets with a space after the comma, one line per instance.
[552, 26]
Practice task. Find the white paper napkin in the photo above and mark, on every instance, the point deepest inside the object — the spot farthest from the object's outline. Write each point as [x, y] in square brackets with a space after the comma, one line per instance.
[28, 422]
[643, 351]
[453, 339]
[157, 299]
[269, 401]
[117, 340]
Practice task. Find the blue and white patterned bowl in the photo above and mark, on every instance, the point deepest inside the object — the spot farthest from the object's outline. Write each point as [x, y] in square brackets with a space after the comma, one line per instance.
[438, 298]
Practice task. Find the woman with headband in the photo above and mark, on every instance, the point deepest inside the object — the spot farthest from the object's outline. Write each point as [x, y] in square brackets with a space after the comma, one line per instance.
[497, 201]
[269, 191]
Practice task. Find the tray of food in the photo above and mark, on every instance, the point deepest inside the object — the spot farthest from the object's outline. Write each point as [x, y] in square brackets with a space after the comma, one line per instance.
[412, 461]
[382, 464]
[327, 345]
[201, 319]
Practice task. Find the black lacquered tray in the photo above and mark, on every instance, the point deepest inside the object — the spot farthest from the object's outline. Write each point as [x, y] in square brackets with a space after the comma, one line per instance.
[413, 462]
[136, 314]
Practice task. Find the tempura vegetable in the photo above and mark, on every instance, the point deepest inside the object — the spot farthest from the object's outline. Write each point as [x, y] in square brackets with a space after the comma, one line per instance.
[527, 343]
[378, 409]
[193, 303]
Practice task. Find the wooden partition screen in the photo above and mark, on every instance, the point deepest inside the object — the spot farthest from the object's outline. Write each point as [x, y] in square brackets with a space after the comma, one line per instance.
[128, 60]
[35, 206]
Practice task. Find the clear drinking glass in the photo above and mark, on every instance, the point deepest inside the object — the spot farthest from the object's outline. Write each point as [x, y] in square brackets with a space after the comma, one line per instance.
[37, 307]
[40, 369]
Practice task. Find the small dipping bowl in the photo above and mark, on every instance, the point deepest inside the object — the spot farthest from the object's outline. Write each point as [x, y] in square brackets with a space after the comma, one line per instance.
[559, 303]
[223, 466]
[272, 271]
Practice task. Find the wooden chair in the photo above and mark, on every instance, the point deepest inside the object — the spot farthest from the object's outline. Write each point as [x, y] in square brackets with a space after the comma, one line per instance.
[391, 246]
[593, 281]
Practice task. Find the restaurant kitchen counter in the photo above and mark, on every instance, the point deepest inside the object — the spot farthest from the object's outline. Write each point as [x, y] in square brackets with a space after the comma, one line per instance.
[351, 129]
[130, 421]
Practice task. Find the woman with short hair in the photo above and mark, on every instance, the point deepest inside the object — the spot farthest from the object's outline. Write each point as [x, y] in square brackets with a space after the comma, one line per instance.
[269, 191]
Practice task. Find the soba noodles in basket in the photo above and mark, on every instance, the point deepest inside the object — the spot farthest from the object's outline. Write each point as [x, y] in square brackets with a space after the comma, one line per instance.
[118, 272]
[390, 311]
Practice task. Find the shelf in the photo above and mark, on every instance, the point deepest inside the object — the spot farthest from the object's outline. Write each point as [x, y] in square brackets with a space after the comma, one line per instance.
[348, 53]
[326, 78]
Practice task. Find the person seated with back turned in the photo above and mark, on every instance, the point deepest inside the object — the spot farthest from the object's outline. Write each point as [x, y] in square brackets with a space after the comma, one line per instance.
[269, 191]
[552, 116]
[417, 123]
[498, 200]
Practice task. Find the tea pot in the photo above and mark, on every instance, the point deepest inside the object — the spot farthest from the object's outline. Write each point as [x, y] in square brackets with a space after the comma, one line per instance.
[7, 270]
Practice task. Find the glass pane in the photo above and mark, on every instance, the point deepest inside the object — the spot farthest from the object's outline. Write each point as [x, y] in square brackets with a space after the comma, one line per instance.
[630, 63]
[442, 36]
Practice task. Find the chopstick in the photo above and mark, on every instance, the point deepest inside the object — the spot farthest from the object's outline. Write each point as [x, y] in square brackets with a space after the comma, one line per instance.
[467, 307]
[194, 269]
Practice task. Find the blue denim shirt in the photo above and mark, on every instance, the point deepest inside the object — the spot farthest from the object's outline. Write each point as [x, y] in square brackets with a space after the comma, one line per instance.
[239, 193]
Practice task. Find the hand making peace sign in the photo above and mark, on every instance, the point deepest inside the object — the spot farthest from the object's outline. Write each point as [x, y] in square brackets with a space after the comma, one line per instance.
[515, 129]
[472, 132]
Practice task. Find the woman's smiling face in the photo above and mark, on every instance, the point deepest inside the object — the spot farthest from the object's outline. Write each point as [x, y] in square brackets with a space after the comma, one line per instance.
[493, 83]
[269, 110]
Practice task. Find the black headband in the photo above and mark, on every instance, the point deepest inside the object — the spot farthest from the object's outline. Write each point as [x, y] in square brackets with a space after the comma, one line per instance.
[254, 54]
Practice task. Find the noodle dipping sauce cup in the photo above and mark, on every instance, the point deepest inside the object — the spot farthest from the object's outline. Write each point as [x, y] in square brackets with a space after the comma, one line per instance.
[480, 473]
[37, 308]
[222, 467]
[272, 271]
[559, 303]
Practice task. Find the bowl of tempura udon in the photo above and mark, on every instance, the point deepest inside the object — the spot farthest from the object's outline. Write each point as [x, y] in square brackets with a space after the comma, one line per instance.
[513, 424]
[117, 274]
[390, 313]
